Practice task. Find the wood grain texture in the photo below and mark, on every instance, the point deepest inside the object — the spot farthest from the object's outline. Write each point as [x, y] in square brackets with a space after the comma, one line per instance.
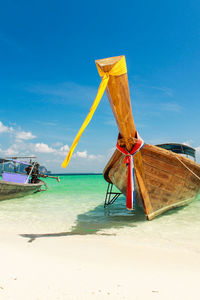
[168, 182]
[118, 94]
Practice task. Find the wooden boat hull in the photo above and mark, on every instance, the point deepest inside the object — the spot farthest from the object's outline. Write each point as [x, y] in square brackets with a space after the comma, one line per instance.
[10, 190]
[164, 179]
[168, 182]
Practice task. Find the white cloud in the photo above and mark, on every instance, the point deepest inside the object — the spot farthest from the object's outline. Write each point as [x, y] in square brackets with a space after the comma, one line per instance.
[198, 149]
[81, 154]
[95, 157]
[23, 135]
[92, 156]
[167, 91]
[198, 153]
[18, 142]
[65, 92]
[84, 154]
[187, 143]
[12, 150]
[64, 148]
[43, 148]
[171, 106]
[58, 144]
[4, 128]
[19, 134]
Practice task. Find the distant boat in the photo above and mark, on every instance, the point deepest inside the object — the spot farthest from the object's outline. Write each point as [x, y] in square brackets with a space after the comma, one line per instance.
[164, 178]
[19, 178]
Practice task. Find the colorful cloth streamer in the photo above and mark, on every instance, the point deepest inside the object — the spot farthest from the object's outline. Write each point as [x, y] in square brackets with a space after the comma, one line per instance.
[128, 160]
[118, 69]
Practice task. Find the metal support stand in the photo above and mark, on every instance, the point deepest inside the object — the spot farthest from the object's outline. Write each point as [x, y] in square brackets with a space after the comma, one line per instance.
[108, 199]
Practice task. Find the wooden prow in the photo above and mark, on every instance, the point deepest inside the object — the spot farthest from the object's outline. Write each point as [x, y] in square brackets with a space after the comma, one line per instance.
[119, 98]
[118, 94]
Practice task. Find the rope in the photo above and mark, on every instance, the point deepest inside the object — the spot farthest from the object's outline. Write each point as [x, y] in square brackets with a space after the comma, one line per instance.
[46, 186]
[118, 69]
[187, 167]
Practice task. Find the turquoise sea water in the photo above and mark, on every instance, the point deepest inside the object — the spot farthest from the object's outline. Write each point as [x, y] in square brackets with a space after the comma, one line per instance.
[75, 207]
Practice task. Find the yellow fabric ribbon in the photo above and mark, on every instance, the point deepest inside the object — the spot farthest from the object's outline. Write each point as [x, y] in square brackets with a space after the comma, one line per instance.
[118, 69]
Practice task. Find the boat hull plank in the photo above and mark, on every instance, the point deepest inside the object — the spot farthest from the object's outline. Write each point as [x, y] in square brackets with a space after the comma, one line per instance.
[10, 190]
[169, 183]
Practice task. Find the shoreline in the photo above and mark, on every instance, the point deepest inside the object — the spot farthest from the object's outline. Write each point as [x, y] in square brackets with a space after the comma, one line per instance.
[61, 174]
[63, 245]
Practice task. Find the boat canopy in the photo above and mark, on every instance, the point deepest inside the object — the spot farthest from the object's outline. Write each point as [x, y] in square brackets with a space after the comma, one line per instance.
[5, 160]
[178, 148]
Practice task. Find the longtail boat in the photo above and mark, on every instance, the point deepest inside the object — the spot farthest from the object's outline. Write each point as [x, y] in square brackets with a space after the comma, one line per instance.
[20, 178]
[158, 178]
[164, 179]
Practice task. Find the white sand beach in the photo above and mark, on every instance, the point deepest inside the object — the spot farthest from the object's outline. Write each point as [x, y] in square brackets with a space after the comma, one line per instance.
[56, 248]
[95, 267]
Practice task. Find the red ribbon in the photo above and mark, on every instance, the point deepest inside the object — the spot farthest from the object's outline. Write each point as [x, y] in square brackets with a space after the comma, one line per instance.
[128, 160]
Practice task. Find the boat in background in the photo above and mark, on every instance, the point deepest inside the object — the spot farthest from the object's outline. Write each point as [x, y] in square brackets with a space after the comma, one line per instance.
[20, 178]
[165, 179]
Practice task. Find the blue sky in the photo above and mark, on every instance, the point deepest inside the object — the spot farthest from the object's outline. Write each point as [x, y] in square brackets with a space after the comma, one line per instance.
[48, 77]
